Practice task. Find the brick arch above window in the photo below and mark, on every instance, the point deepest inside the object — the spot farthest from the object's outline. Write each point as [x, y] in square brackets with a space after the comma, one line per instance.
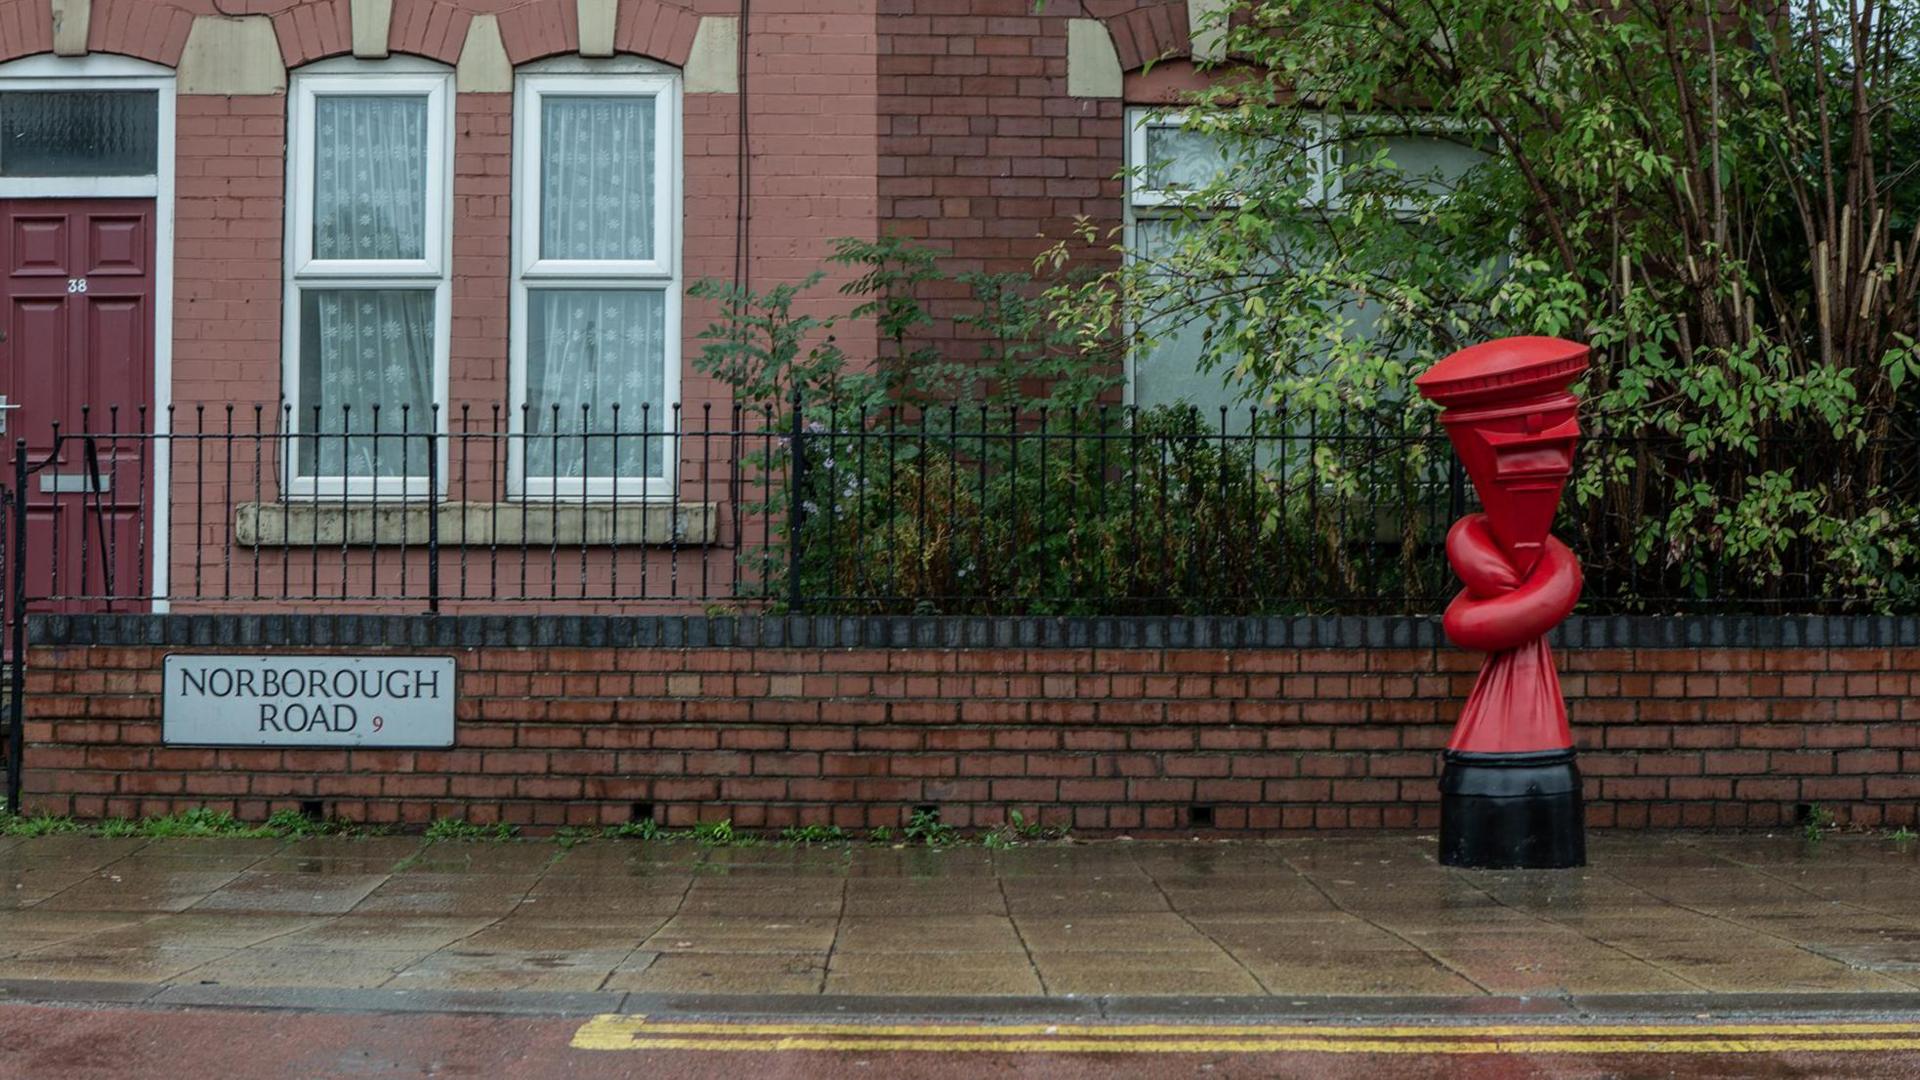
[26, 28]
[153, 30]
[651, 28]
[147, 29]
[1144, 31]
[318, 29]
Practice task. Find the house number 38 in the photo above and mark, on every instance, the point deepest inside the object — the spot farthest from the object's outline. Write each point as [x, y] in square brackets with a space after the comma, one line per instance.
[76, 284]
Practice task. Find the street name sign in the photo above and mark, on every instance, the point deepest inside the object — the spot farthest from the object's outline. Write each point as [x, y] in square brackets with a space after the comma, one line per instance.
[300, 701]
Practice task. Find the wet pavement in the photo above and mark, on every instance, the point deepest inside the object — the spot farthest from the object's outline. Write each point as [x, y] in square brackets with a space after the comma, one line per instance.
[1348, 917]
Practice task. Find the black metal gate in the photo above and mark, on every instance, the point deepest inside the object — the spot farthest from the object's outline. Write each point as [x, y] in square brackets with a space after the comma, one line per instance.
[13, 570]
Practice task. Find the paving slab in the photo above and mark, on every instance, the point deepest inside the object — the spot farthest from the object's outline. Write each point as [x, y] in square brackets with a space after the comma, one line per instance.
[195, 930]
[1113, 971]
[142, 890]
[293, 893]
[465, 968]
[1356, 974]
[89, 851]
[77, 960]
[946, 935]
[724, 934]
[722, 973]
[350, 969]
[381, 933]
[25, 888]
[534, 934]
[1102, 932]
[447, 894]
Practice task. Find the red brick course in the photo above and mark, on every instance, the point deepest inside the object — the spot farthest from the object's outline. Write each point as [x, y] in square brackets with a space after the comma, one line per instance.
[1107, 741]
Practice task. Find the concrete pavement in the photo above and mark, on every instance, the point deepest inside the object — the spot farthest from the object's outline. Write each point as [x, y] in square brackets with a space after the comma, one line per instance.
[1678, 917]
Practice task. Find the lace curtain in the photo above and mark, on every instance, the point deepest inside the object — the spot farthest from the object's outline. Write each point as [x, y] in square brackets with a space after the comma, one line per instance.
[587, 351]
[1182, 160]
[596, 183]
[361, 348]
[367, 348]
[370, 177]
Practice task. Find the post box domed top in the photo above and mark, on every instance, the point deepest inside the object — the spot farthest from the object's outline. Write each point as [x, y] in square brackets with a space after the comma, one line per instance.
[1503, 370]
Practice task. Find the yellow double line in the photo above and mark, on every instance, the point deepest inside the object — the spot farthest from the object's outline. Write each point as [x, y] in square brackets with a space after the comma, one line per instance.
[616, 1032]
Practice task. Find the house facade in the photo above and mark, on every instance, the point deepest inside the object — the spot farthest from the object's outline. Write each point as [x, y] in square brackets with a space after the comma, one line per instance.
[285, 260]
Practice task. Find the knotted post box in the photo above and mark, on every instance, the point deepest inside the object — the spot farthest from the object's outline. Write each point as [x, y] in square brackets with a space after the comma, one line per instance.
[1510, 788]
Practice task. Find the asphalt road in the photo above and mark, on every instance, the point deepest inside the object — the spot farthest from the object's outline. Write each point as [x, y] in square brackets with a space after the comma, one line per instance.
[81, 1042]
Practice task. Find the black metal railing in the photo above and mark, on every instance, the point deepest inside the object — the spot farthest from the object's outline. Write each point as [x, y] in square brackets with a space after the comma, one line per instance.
[946, 509]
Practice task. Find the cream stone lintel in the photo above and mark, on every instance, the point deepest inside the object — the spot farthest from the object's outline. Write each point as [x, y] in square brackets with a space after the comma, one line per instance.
[1093, 67]
[484, 67]
[70, 22]
[372, 22]
[597, 19]
[1207, 29]
[237, 56]
[713, 65]
[536, 523]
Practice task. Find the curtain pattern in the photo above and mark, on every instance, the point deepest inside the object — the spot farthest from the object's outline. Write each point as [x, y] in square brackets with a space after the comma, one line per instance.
[370, 177]
[361, 348]
[1182, 160]
[588, 351]
[596, 182]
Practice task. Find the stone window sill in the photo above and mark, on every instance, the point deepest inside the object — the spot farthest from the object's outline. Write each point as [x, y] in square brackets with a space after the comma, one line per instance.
[504, 524]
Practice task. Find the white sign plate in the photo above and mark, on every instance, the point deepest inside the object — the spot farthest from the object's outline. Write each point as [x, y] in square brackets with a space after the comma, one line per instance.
[383, 701]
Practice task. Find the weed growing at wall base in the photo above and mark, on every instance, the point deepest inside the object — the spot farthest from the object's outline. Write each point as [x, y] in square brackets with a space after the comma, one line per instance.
[462, 829]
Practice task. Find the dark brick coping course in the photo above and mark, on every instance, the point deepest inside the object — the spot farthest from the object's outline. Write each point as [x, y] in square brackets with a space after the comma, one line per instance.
[945, 632]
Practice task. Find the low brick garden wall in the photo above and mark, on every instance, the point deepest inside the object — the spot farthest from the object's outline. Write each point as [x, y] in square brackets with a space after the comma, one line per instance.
[1141, 726]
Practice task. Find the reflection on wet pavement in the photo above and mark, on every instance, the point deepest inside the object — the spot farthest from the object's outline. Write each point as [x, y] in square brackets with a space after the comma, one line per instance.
[1372, 915]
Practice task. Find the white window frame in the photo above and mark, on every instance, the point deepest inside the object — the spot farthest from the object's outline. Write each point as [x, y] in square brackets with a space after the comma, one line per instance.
[574, 77]
[397, 76]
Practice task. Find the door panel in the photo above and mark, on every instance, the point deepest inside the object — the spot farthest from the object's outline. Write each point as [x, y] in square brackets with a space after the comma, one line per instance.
[77, 359]
[40, 246]
[117, 245]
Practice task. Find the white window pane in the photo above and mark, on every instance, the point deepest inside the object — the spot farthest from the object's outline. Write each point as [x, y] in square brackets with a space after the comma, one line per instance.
[362, 348]
[596, 379]
[370, 177]
[1182, 160]
[1432, 162]
[597, 178]
[1169, 372]
[79, 132]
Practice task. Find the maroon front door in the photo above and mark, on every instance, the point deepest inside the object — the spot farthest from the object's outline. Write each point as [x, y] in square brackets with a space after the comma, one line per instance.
[76, 309]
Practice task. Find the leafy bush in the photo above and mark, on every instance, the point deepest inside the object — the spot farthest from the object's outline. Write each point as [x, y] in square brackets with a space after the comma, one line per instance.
[1721, 199]
[1016, 484]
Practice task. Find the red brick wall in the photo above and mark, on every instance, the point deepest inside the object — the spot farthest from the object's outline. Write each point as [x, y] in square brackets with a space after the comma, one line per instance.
[1107, 740]
[982, 151]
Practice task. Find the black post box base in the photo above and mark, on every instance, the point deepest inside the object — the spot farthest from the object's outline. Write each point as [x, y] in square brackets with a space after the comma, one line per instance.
[1512, 811]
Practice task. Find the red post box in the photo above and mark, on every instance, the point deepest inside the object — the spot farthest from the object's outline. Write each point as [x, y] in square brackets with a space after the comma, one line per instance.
[1510, 788]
